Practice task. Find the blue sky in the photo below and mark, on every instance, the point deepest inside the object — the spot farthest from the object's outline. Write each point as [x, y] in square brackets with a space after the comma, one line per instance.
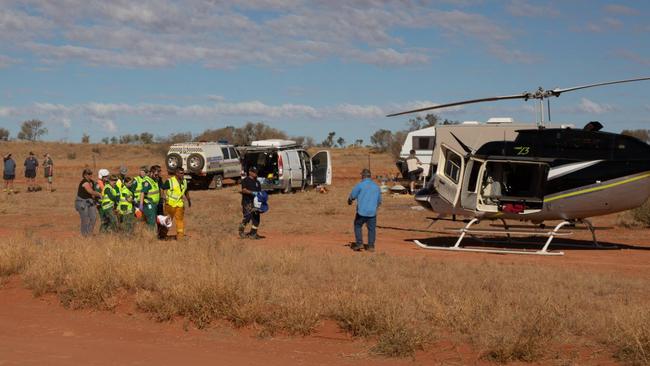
[114, 67]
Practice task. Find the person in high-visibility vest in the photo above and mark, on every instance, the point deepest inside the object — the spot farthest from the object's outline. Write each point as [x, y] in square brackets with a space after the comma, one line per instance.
[139, 179]
[176, 188]
[149, 198]
[125, 212]
[121, 176]
[110, 198]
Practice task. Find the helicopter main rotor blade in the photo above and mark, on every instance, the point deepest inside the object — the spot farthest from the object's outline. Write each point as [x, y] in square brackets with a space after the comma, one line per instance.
[556, 92]
[491, 99]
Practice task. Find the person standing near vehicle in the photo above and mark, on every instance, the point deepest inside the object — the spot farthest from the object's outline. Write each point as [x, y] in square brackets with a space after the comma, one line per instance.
[368, 197]
[414, 167]
[48, 169]
[150, 197]
[249, 188]
[85, 202]
[9, 173]
[31, 164]
[176, 189]
[110, 199]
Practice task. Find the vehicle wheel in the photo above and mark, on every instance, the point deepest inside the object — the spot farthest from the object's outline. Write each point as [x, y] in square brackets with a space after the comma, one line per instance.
[218, 181]
[174, 161]
[195, 163]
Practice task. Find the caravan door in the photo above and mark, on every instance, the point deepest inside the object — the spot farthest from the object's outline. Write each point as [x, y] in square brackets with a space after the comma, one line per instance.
[322, 168]
[451, 166]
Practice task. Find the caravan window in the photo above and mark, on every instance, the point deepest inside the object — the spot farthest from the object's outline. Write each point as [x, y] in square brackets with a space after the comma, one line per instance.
[452, 165]
[423, 142]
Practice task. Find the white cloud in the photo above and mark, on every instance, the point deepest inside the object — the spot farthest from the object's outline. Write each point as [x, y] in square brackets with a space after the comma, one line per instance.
[633, 56]
[512, 56]
[223, 34]
[215, 98]
[588, 106]
[6, 61]
[620, 10]
[522, 8]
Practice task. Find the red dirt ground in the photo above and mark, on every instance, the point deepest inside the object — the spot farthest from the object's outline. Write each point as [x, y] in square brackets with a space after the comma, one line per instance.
[37, 331]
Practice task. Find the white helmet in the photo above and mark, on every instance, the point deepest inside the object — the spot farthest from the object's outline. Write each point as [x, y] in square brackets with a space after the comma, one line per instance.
[103, 173]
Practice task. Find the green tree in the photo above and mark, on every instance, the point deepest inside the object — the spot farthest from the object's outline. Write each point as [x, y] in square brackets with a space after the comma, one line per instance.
[85, 138]
[146, 138]
[4, 134]
[340, 141]
[329, 140]
[105, 140]
[114, 140]
[382, 140]
[420, 122]
[31, 130]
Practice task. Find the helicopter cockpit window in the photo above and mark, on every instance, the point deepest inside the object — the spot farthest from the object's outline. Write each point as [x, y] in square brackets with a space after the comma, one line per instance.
[452, 165]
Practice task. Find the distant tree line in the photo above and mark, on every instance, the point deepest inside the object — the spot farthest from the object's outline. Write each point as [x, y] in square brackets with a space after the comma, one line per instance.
[641, 134]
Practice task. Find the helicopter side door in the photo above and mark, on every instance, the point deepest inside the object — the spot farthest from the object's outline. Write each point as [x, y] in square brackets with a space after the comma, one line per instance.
[470, 188]
[449, 176]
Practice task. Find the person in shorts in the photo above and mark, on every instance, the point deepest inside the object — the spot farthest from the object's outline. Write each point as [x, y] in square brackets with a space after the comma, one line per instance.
[31, 164]
[9, 173]
[48, 168]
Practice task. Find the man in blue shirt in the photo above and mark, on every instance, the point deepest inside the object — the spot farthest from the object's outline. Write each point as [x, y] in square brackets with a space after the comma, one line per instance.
[368, 197]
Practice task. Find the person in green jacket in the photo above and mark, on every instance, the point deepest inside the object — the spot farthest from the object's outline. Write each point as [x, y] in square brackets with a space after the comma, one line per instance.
[149, 198]
[110, 199]
[126, 215]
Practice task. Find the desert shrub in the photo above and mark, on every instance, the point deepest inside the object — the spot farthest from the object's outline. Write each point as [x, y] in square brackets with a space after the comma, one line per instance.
[96, 150]
[72, 155]
[641, 214]
[631, 335]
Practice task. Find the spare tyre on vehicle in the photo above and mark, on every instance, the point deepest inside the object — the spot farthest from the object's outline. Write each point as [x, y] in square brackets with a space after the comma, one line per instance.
[174, 161]
[195, 163]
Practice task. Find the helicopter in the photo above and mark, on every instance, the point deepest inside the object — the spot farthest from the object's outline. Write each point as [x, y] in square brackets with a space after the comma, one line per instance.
[533, 174]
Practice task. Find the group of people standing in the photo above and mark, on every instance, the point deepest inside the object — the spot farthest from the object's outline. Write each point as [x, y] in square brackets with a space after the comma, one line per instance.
[120, 200]
[31, 167]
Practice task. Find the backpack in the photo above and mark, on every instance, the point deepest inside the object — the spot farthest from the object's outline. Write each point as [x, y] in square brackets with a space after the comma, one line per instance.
[260, 202]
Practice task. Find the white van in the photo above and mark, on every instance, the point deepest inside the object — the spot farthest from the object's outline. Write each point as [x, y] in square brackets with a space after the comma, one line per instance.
[206, 164]
[285, 165]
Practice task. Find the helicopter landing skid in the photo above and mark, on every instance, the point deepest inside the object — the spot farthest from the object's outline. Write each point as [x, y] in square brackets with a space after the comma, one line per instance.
[544, 251]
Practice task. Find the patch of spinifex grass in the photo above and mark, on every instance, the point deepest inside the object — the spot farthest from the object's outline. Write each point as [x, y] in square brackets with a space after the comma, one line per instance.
[631, 334]
[509, 312]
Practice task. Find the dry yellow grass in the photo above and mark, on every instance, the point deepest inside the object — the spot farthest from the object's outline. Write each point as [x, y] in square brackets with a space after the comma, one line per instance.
[506, 311]
[509, 312]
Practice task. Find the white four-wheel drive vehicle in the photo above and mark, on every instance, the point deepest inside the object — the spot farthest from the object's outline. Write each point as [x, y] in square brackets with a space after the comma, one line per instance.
[286, 166]
[206, 164]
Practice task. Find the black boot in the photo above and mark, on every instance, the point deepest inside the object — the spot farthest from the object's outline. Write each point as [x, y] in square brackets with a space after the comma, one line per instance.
[241, 231]
[253, 235]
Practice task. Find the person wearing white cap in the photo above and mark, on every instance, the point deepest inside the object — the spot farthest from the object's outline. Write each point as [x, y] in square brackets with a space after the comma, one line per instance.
[102, 178]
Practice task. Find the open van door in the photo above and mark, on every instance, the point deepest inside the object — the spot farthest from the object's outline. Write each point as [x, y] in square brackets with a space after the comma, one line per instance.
[321, 168]
[449, 178]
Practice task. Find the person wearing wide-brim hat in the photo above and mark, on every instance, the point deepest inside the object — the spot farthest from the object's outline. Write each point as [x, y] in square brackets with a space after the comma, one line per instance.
[368, 196]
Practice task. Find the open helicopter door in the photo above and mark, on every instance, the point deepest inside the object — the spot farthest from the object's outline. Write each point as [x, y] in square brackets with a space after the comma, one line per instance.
[451, 166]
[512, 187]
[470, 188]
[322, 168]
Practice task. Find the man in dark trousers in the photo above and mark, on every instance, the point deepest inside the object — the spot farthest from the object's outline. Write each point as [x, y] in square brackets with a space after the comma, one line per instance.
[31, 164]
[368, 197]
[249, 188]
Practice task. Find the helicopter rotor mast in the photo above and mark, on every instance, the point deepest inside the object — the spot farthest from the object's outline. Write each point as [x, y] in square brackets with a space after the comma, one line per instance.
[540, 94]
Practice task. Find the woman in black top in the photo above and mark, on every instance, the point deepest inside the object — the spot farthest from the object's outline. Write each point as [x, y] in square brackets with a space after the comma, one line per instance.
[85, 203]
